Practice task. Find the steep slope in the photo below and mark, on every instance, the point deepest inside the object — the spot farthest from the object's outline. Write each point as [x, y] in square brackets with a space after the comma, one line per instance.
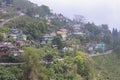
[107, 67]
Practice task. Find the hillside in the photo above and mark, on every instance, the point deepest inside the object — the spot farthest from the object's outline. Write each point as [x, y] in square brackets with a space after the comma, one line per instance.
[107, 67]
[36, 44]
[24, 6]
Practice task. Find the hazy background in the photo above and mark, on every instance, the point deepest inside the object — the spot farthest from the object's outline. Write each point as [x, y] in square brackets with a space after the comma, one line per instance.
[97, 11]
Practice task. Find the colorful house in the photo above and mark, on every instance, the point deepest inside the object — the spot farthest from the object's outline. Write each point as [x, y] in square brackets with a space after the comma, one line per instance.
[100, 46]
[46, 39]
[17, 34]
[63, 33]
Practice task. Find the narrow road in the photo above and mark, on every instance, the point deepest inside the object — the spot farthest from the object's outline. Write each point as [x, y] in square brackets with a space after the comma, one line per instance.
[105, 53]
[7, 20]
[11, 63]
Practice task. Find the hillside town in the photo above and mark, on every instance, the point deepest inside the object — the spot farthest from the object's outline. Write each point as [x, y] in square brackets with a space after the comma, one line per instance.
[37, 43]
[16, 39]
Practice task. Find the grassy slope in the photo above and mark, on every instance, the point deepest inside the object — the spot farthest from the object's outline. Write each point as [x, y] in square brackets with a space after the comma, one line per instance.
[108, 67]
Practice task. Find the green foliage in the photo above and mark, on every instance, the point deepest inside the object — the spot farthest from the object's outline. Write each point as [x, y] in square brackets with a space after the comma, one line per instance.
[57, 41]
[15, 70]
[32, 27]
[10, 73]
[49, 57]
[51, 64]
[52, 67]
[4, 29]
[92, 28]
[49, 53]
[8, 1]
[31, 9]
[15, 59]
[58, 23]
[80, 66]
[107, 67]
[5, 75]
[87, 66]
[22, 4]
[41, 11]
[64, 70]
[94, 32]
[117, 51]
[108, 39]
[35, 31]
[19, 22]
[10, 13]
[1, 37]
[11, 39]
[32, 64]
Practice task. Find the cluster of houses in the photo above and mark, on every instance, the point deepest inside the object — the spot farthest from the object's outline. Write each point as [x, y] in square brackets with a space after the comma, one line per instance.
[12, 47]
[17, 34]
[47, 38]
[93, 48]
[4, 46]
[49, 18]
[78, 29]
[19, 38]
[7, 48]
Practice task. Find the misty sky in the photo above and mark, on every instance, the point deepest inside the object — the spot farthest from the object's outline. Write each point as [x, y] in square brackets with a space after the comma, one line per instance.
[97, 11]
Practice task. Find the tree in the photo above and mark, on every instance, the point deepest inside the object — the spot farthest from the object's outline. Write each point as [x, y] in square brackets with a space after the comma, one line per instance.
[46, 9]
[117, 51]
[49, 53]
[30, 26]
[42, 26]
[15, 70]
[115, 33]
[1, 37]
[86, 65]
[8, 1]
[0, 3]
[108, 39]
[116, 39]
[30, 12]
[80, 64]
[5, 74]
[105, 26]
[32, 63]
[4, 29]
[57, 41]
[94, 32]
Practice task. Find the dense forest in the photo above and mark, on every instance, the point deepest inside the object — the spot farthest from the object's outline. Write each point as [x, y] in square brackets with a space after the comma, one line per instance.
[55, 57]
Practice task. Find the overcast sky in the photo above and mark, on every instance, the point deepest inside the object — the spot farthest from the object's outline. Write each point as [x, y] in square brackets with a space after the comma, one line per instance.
[97, 11]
